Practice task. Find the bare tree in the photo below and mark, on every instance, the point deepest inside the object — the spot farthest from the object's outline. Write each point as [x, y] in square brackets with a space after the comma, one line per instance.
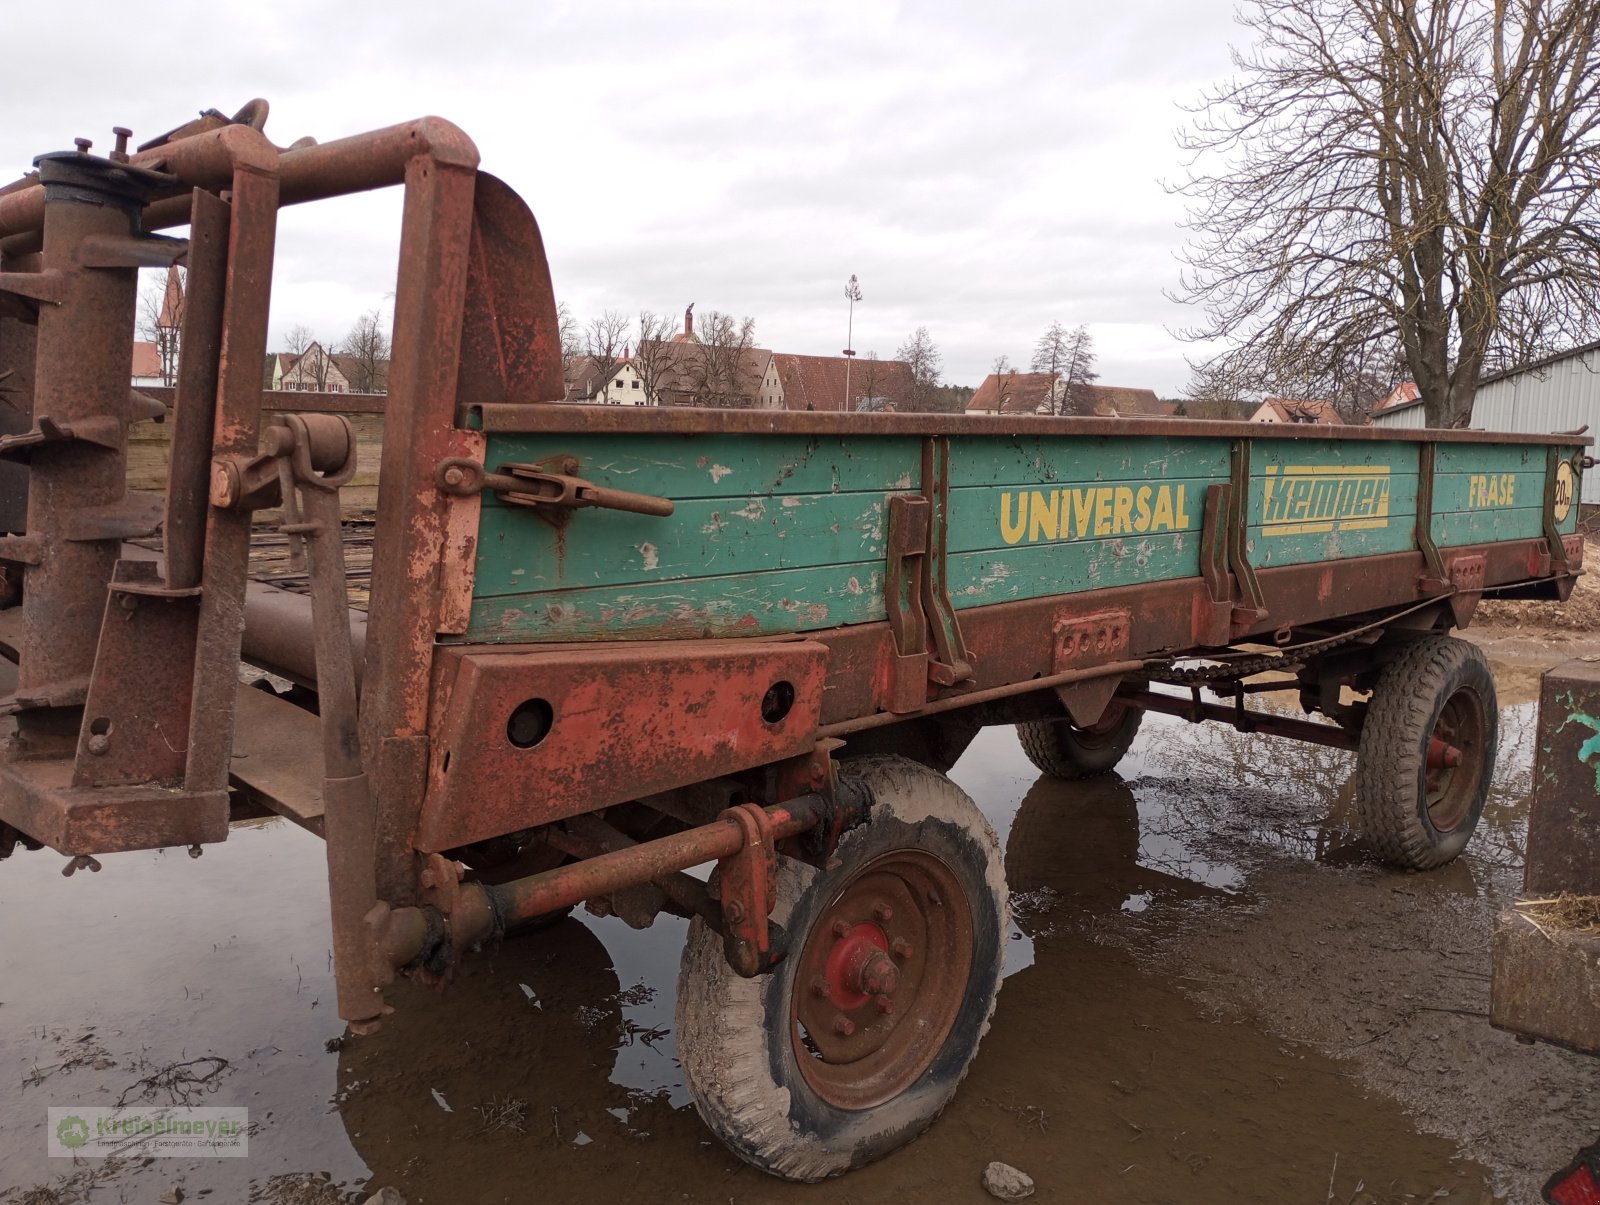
[307, 369]
[1050, 353]
[1077, 373]
[603, 342]
[927, 362]
[871, 376]
[1420, 174]
[366, 354]
[1067, 354]
[161, 317]
[654, 357]
[718, 373]
[571, 338]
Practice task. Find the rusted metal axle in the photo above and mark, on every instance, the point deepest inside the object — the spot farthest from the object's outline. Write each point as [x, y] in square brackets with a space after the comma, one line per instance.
[1194, 710]
[464, 914]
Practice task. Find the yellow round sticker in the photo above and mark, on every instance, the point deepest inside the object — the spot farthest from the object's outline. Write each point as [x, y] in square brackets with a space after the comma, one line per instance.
[1563, 489]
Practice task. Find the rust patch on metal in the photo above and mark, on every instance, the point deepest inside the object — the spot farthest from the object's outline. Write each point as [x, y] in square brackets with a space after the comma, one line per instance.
[529, 737]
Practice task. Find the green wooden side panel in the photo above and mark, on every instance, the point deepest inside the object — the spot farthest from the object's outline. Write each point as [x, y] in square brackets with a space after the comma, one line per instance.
[771, 534]
[788, 533]
[1487, 492]
[707, 537]
[1032, 517]
[1328, 500]
[785, 600]
[1040, 462]
[977, 579]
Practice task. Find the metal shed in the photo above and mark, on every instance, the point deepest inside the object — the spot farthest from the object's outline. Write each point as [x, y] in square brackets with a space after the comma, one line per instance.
[1560, 393]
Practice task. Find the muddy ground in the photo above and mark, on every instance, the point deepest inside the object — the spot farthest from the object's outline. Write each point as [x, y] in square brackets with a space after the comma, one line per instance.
[1212, 996]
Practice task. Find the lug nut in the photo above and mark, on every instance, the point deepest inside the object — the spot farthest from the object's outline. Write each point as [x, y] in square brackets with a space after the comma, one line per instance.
[885, 1005]
[843, 1025]
[900, 948]
[819, 986]
[83, 145]
[841, 928]
[883, 912]
[120, 155]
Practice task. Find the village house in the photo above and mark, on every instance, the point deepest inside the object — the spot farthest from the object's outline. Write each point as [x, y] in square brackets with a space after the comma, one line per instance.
[147, 368]
[312, 371]
[819, 383]
[1047, 393]
[1291, 410]
[673, 374]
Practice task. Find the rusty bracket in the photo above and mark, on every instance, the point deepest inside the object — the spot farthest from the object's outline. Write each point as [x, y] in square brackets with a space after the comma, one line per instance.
[1251, 607]
[1553, 485]
[951, 662]
[1217, 627]
[316, 450]
[748, 882]
[1464, 578]
[906, 565]
[1434, 579]
[105, 431]
[1084, 641]
[530, 485]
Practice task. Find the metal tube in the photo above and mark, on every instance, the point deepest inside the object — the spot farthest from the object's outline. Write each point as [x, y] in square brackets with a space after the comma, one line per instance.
[83, 352]
[1256, 721]
[478, 906]
[954, 702]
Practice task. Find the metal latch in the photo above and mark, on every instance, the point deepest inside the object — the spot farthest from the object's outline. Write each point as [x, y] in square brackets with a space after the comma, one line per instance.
[528, 485]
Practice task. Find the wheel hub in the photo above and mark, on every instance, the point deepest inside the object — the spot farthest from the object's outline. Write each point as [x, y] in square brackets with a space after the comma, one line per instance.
[881, 978]
[1451, 766]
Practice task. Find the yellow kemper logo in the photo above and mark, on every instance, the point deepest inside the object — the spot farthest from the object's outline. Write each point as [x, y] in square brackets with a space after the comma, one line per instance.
[1092, 511]
[1305, 498]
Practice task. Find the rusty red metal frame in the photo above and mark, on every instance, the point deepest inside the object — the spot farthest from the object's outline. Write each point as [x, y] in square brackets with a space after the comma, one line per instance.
[127, 679]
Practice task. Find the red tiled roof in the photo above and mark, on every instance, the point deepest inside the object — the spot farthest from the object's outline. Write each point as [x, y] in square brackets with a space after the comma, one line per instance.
[818, 382]
[1012, 392]
[1405, 394]
[1303, 410]
[146, 359]
[1029, 393]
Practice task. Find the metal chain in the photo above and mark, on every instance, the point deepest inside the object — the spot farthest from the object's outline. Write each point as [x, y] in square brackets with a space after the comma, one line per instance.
[1166, 671]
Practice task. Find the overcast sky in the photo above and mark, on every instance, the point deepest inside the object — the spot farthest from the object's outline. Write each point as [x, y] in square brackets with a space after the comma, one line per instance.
[984, 168]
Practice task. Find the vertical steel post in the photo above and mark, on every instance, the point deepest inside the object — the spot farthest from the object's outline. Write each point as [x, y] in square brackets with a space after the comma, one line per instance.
[83, 363]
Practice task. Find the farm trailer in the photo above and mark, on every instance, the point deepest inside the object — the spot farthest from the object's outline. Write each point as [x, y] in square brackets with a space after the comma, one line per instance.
[606, 646]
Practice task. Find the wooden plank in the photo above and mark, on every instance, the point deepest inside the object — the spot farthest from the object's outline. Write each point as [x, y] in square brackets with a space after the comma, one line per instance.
[754, 604]
[519, 552]
[277, 757]
[682, 467]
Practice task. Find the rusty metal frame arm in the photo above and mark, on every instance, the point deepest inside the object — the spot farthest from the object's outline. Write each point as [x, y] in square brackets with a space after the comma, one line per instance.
[402, 936]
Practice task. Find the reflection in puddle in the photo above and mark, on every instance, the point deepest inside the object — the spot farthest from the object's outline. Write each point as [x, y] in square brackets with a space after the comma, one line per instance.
[1247, 794]
[563, 1039]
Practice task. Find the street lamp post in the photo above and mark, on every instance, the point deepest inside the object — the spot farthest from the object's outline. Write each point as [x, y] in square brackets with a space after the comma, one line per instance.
[852, 292]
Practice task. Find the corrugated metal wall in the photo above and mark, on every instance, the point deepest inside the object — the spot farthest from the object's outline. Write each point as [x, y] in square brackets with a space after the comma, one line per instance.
[1559, 397]
[1409, 419]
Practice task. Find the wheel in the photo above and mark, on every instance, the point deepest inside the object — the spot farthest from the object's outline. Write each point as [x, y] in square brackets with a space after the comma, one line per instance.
[853, 1045]
[1427, 752]
[1063, 750]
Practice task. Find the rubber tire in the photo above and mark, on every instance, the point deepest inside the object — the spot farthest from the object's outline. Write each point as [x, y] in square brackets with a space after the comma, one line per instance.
[1391, 761]
[1061, 749]
[734, 1034]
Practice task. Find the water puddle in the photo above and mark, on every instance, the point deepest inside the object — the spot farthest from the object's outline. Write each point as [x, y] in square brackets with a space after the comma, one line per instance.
[548, 1068]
